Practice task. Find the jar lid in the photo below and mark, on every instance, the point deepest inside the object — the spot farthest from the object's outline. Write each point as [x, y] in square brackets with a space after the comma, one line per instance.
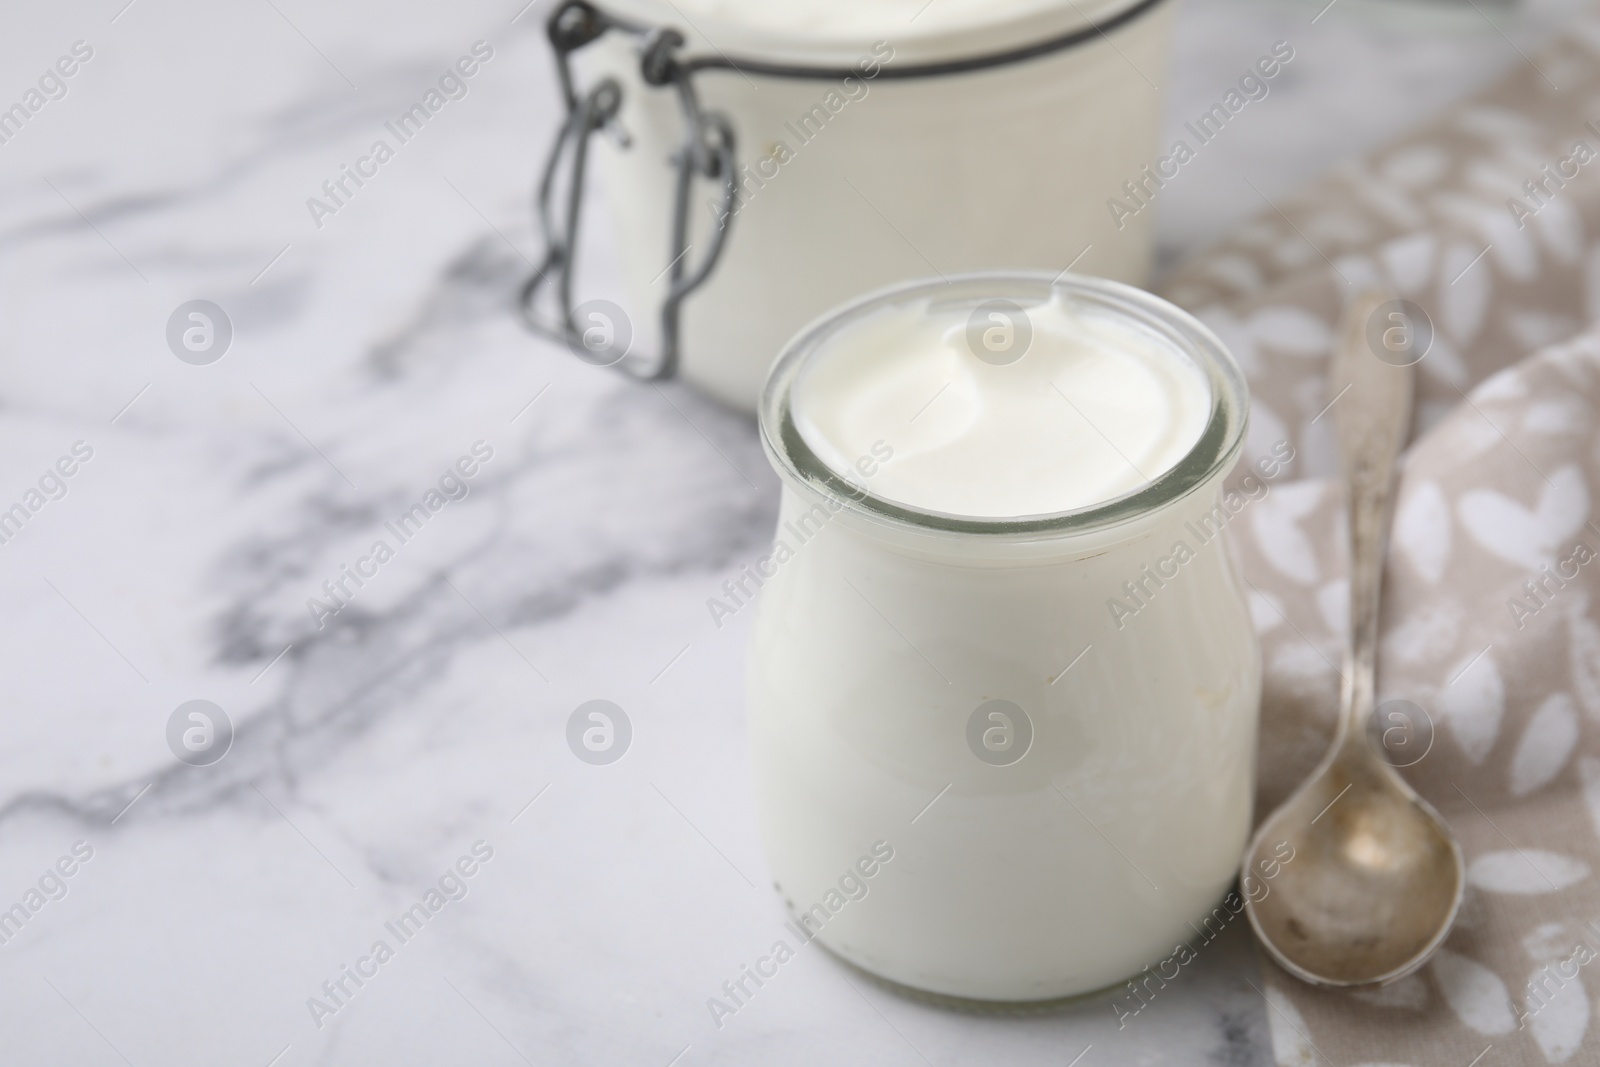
[844, 32]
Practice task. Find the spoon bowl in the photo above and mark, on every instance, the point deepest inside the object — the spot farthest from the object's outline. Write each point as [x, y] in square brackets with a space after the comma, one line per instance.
[1373, 884]
[1374, 879]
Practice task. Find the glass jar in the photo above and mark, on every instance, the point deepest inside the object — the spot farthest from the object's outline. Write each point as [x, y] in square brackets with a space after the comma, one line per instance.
[847, 146]
[1046, 724]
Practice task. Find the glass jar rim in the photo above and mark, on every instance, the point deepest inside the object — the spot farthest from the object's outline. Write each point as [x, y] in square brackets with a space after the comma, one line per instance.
[990, 29]
[1212, 455]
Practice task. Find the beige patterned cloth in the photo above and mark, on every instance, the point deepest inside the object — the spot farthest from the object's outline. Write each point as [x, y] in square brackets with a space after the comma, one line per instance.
[1492, 591]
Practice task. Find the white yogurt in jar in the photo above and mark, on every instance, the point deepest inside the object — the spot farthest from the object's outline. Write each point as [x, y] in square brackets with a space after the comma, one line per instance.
[1093, 409]
[1067, 790]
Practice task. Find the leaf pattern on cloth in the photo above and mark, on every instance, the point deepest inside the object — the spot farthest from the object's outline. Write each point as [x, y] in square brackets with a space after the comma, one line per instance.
[1560, 1023]
[1474, 992]
[1584, 655]
[1422, 530]
[1491, 616]
[1528, 537]
[1546, 746]
[1525, 871]
[1472, 703]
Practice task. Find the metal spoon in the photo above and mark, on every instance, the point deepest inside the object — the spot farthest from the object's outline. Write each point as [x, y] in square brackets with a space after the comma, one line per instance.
[1375, 877]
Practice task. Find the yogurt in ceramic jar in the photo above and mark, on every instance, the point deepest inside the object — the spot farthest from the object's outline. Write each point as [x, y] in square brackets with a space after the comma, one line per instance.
[1002, 636]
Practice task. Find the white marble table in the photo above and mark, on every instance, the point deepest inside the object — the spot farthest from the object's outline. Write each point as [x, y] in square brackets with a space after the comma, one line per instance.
[371, 754]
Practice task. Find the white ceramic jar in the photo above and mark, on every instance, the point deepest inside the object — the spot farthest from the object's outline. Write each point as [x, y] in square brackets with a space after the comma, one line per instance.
[848, 184]
[1064, 787]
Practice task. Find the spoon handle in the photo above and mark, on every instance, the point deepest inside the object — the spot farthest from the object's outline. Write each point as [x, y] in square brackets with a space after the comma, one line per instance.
[1372, 378]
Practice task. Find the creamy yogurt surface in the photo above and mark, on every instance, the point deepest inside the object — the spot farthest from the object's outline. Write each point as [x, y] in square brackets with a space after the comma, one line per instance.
[1093, 408]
